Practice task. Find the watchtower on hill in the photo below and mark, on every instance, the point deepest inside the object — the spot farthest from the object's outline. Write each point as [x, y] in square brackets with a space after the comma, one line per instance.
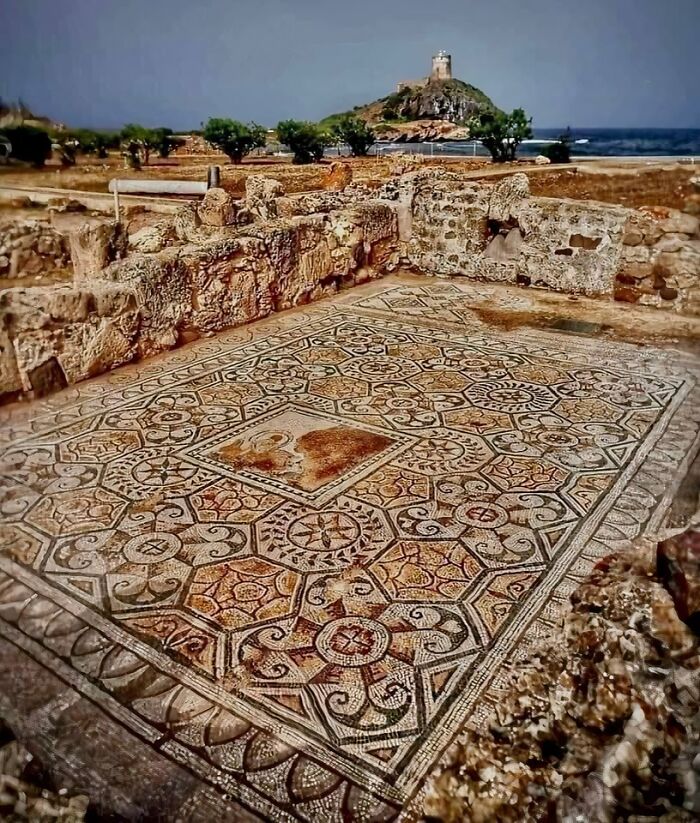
[442, 66]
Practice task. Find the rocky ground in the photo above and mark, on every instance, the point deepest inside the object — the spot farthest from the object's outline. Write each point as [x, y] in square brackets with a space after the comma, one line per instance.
[26, 790]
[632, 186]
[602, 721]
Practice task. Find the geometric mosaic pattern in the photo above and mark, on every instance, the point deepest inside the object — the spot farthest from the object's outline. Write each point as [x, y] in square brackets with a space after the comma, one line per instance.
[324, 535]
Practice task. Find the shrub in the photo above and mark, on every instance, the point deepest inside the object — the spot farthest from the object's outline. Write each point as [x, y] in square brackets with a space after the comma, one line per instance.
[559, 152]
[233, 138]
[30, 144]
[305, 139]
[501, 133]
[356, 133]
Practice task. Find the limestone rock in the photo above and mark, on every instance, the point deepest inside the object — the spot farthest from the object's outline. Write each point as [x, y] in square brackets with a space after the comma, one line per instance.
[96, 245]
[541, 160]
[151, 239]
[339, 176]
[679, 222]
[508, 196]
[218, 208]
[678, 566]
[261, 194]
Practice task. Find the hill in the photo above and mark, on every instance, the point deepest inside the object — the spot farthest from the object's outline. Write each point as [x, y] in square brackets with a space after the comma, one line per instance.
[429, 110]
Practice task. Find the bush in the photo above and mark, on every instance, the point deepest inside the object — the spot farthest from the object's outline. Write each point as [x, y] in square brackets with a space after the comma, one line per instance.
[233, 138]
[30, 144]
[559, 152]
[305, 139]
[356, 133]
[501, 133]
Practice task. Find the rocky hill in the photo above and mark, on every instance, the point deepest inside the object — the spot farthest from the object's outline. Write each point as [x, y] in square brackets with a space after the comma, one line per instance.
[431, 110]
[452, 100]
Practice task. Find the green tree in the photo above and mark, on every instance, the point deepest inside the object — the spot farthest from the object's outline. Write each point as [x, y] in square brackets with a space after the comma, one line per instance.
[30, 144]
[501, 133]
[353, 131]
[233, 138]
[144, 138]
[559, 152]
[306, 140]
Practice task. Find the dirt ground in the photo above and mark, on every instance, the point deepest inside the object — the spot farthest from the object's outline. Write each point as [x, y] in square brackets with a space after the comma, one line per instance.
[641, 186]
[627, 185]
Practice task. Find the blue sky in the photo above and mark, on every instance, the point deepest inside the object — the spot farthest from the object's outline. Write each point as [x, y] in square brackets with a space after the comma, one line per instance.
[628, 63]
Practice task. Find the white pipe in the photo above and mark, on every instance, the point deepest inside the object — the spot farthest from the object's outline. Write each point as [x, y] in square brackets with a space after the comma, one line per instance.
[158, 186]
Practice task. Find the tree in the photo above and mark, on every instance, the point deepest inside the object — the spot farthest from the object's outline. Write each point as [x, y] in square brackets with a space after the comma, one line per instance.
[164, 141]
[233, 138]
[501, 133]
[356, 133]
[144, 138]
[29, 143]
[559, 152]
[305, 139]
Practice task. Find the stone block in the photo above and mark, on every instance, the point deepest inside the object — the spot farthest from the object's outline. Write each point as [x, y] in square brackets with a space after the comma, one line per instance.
[218, 208]
[94, 246]
[339, 176]
[261, 194]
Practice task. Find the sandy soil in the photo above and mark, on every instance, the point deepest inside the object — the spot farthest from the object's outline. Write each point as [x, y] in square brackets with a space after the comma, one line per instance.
[640, 186]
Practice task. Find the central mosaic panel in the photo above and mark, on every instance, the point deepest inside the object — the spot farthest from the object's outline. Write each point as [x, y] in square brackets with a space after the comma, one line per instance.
[331, 528]
[300, 453]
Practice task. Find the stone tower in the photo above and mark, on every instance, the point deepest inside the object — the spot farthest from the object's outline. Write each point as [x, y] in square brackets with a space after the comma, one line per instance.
[442, 66]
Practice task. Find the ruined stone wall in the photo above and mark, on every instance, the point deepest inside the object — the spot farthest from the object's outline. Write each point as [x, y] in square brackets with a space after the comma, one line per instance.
[499, 233]
[224, 263]
[660, 261]
[451, 226]
[149, 302]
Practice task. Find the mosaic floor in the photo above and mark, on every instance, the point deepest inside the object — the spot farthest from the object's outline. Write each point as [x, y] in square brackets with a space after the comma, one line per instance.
[296, 557]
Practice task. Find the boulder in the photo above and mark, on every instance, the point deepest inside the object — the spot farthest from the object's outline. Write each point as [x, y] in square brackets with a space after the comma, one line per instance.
[95, 245]
[261, 194]
[218, 208]
[541, 160]
[339, 176]
[678, 567]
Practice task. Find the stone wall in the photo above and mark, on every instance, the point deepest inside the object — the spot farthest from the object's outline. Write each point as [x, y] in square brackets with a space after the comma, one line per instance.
[149, 302]
[500, 233]
[660, 261]
[224, 263]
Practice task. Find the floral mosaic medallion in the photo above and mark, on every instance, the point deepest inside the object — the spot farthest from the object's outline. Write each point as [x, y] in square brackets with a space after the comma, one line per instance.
[297, 557]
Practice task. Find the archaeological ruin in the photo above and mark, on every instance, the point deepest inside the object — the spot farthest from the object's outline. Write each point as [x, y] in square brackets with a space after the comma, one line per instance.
[363, 504]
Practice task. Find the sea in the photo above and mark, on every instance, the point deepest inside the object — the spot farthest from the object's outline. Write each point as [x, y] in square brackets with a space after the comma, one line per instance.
[586, 142]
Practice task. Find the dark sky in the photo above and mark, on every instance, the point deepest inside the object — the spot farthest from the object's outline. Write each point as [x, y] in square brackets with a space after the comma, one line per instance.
[177, 62]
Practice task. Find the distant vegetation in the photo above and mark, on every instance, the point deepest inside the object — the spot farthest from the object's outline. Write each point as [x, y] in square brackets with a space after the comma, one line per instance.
[29, 144]
[355, 133]
[501, 133]
[306, 140]
[233, 138]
